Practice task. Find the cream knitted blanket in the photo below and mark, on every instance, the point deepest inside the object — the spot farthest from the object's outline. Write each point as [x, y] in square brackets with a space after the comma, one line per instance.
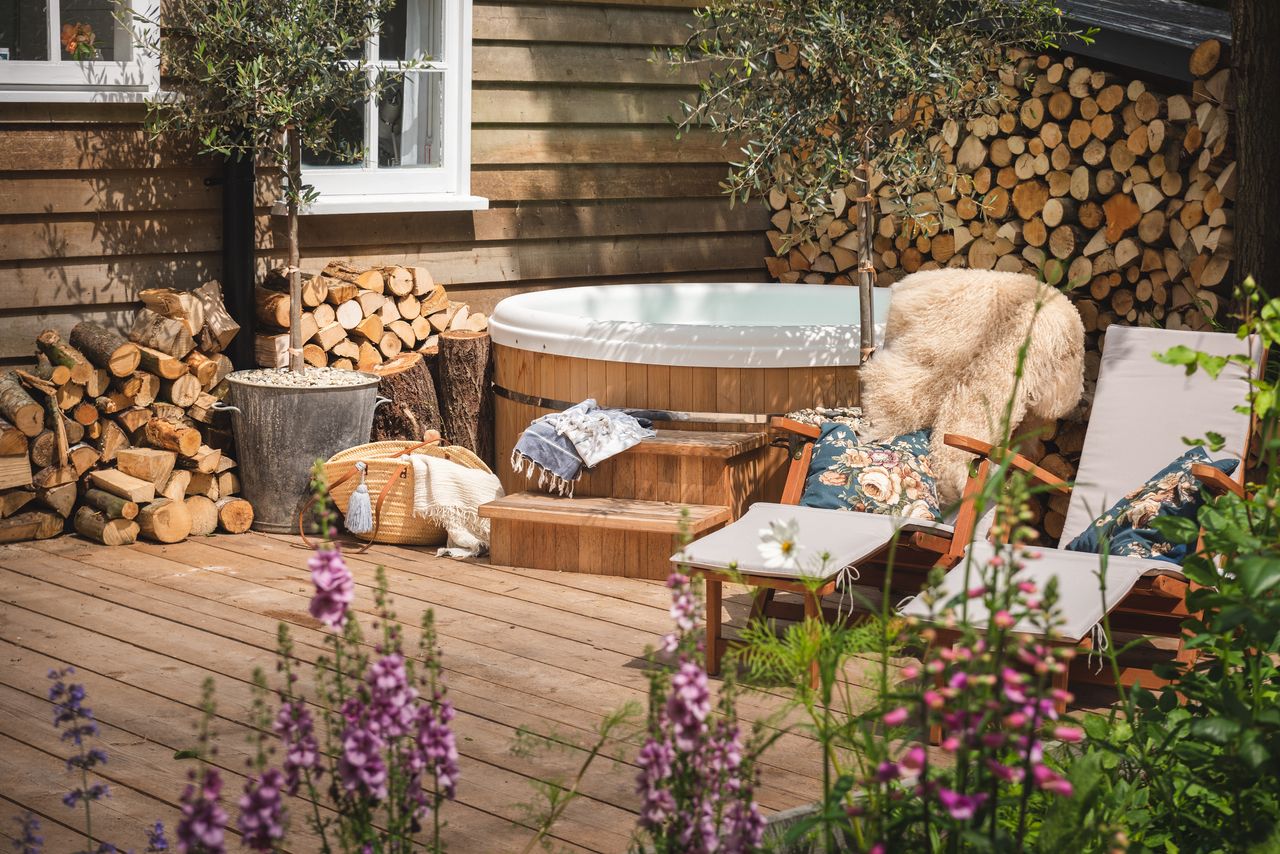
[450, 495]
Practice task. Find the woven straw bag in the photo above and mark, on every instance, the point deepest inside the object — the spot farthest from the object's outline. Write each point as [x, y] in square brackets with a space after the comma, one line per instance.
[390, 485]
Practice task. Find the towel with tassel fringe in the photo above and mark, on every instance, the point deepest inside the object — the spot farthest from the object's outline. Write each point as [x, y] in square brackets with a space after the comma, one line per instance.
[450, 495]
[557, 447]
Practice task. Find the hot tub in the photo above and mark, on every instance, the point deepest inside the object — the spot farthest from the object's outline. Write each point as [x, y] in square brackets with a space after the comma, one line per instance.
[715, 356]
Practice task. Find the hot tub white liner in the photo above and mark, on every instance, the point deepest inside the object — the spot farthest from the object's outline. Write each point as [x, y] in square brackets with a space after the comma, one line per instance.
[711, 325]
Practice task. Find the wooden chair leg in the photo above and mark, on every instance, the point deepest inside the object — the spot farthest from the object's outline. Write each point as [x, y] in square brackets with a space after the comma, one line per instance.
[812, 610]
[760, 603]
[714, 619]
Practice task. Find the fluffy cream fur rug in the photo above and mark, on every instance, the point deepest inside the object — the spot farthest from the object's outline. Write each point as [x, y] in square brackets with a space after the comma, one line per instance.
[949, 360]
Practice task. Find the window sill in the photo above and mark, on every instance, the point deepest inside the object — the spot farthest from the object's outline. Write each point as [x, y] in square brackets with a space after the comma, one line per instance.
[68, 95]
[390, 203]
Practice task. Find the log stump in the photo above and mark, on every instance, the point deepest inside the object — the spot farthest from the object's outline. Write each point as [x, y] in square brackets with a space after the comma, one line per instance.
[413, 409]
[466, 399]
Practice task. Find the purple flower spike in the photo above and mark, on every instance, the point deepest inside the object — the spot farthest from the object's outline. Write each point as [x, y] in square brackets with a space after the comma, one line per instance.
[297, 732]
[361, 765]
[156, 841]
[28, 840]
[436, 745]
[960, 807]
[689, 704]
[262, 811]
[334, 587]
[202, 827]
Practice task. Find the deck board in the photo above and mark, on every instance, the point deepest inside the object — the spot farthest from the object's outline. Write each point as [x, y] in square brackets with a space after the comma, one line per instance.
[144, 625]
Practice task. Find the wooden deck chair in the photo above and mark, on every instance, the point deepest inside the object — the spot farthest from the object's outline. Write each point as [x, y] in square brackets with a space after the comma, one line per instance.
[1141, 411]
[856, 543]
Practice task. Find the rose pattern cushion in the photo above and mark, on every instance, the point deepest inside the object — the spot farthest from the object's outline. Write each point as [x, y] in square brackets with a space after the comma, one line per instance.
[891, 478]
[1173, 491]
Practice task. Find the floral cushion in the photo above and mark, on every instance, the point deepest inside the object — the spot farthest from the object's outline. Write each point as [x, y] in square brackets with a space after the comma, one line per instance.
[1173, 491]
[891, 478]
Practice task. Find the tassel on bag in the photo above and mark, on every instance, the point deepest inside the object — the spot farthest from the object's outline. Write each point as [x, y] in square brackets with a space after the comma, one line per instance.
[359, 512]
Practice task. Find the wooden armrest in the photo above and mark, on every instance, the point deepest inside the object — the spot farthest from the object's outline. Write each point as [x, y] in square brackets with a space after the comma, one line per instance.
[808, 431]
[979, 448]
[1215, 481]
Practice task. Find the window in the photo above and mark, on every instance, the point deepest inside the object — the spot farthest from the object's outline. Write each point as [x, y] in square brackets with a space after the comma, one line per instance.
[417, 136]
[71, 50]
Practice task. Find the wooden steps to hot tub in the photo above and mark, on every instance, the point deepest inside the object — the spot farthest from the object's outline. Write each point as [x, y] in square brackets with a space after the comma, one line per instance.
[601, 536]
[684, 467]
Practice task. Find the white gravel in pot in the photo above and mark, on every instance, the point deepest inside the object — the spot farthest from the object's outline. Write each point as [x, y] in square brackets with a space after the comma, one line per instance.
[308, 378]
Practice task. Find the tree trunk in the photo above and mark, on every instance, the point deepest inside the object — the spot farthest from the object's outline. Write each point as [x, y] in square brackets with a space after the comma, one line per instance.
[866, 270]
[295, 275]
[466, 402]
[1255, 63]
[413, 409]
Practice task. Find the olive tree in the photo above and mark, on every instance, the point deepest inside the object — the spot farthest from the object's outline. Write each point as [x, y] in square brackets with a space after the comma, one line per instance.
[266, 80]
[822, 93]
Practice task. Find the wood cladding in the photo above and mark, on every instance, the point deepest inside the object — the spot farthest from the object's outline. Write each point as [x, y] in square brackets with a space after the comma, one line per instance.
[570, 142]
[761, 391]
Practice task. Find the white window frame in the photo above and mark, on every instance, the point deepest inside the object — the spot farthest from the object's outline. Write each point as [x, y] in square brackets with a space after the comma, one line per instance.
[65, 80]
[367, 188]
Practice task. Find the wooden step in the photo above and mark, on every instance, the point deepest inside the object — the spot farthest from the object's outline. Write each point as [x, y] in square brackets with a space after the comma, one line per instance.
[685, 467]
[602, 536]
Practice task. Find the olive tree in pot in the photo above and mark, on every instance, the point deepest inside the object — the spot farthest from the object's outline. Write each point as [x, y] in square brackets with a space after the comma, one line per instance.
[822, 96]
[268, 80]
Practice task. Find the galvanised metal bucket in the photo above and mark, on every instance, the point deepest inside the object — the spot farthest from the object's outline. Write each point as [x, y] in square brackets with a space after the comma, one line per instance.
[282, 430]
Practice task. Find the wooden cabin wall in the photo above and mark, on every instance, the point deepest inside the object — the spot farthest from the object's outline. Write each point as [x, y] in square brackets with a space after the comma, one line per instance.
[571, 143]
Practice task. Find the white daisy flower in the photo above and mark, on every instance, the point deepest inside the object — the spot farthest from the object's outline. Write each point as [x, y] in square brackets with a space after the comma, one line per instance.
[778, 545]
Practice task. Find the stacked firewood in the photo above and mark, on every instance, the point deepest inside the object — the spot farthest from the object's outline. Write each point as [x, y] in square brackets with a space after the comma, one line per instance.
[118, 436]
[1101, 184]
[357, 319]
[1128, 189]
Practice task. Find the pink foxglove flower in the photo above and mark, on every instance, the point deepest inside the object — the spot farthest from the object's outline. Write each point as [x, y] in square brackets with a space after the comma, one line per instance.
[334, 587]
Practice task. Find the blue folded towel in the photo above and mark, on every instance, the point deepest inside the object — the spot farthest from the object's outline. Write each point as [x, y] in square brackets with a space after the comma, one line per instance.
[553, 446]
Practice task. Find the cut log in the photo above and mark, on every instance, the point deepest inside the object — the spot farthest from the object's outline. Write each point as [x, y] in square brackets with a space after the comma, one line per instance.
[165, 521]
[18, 407]
[338, 292]
[97, 526]
[60, 499]
[13, 442]
[466, 403]
[133, 418]
[369, 280]
[390, 344]
[228, 483]
[15, 471]
[1122, 214]
[1205, 58]
[181, 392]
[32, 525]
[370, 329]
[175, 486]
[349, 314]
[60, 353]
[218, 328]
[271, 307]
[370, 303]
[271, 351]
[142, 388]
[327, 337]
[203, 483]
[314, 355]
[54, 475]
[161, 333]
[111, 441]
[370, 357]
[161, 364]
[149, 464]
[172, 437]
[204, 369]
[13, 500]
[82, 457]
[314, 288]
[206, 459]
[398, 281]
[110, 505]
[105, 348]
[235, 515]
[126, 486]
[99, 381]
[204, 515]
[413, 409]
[182, 306]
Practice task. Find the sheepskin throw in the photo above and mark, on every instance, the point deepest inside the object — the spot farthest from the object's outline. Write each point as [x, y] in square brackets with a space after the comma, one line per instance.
[950, 355]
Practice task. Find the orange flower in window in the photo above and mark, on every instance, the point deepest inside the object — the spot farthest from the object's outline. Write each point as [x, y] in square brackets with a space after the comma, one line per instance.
[78, 41]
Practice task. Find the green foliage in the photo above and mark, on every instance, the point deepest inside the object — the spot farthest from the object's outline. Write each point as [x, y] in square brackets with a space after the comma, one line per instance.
[238, 73]
[815, 89]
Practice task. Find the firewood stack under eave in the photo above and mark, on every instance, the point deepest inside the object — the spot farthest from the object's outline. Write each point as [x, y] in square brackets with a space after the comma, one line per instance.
[356, 318]
[116, 437]
[1131, 189]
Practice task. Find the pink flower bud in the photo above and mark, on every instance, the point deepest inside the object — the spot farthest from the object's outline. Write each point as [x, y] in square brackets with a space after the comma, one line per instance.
[897, 717]
[1003, 620]
[1069, 734]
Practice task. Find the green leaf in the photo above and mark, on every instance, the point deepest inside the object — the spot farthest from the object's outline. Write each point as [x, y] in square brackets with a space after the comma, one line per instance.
[1215, 730]
[186, 753]
[1177, 529]
[1257, 573]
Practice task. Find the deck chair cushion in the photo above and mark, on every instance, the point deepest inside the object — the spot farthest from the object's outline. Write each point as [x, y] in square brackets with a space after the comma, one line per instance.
[1172, 491]
[889, 478]
[1081, 603]
[845, 537]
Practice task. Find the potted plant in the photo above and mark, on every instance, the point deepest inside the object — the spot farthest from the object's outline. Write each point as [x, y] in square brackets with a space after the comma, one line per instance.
[826, 96]
[267, 81]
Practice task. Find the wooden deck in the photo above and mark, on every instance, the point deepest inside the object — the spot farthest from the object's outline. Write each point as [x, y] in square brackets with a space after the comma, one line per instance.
[144, 625]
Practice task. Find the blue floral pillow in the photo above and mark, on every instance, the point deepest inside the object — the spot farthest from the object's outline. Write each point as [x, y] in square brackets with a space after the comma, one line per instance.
[891, 478]
[1173, 491]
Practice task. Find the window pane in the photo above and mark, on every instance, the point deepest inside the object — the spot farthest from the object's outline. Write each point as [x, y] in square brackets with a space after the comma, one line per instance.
[409, 117]
[347, 145]
[89, 30]
[24, 30]
[414, 29]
